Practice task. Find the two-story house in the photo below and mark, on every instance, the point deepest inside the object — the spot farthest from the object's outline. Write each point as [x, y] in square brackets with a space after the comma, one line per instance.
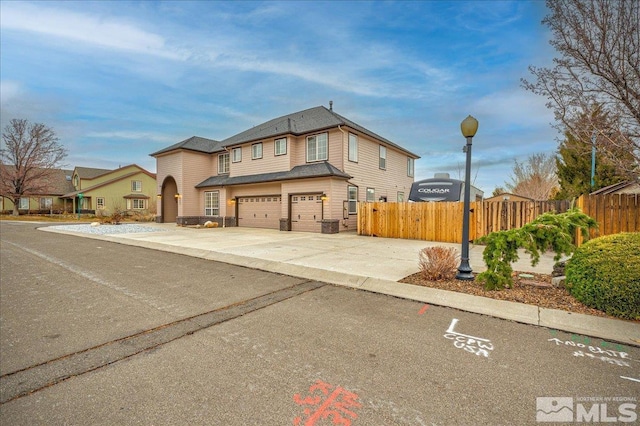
[304, 171]
[128, 189]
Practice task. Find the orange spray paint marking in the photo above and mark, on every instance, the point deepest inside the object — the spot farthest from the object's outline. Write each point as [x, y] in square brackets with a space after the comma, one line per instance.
[336, 405]
[423, 310]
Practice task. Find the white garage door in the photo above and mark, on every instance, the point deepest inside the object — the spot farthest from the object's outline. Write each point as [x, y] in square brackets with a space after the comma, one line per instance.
[259, 212]
[306, 213]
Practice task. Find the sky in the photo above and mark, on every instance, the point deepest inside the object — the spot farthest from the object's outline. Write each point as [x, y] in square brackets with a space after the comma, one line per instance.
[120, 80]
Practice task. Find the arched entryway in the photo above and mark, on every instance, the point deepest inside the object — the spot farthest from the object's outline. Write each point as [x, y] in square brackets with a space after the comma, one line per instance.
[169, 203]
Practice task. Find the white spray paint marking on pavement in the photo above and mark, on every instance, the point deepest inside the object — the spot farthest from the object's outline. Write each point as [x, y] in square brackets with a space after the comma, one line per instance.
[97, 280]
[472, 344]
[630, 378]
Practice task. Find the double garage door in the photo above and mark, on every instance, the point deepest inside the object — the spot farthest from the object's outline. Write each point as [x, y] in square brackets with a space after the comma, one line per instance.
[265, 212]
[259, 212]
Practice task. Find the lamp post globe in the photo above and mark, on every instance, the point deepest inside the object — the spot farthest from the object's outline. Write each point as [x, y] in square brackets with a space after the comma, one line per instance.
[469, 127]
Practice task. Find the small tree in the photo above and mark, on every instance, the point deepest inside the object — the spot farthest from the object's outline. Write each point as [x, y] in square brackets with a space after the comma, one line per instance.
[549, 231]
[536, 178]
[29, 155]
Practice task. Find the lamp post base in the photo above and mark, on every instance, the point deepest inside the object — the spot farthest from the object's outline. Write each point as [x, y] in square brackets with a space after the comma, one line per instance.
[465, 273]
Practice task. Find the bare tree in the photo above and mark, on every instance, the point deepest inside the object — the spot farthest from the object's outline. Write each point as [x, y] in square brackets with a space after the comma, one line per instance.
[536, 178]
[599, 67]
[28, 157]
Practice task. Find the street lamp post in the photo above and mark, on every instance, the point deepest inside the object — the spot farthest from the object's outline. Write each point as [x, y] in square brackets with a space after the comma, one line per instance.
[469, 128]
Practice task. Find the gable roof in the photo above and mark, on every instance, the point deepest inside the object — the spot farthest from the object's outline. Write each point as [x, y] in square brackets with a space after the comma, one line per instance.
[73, 193]
[194, 143]
[302, 122]
[322, 169]
[90, 173]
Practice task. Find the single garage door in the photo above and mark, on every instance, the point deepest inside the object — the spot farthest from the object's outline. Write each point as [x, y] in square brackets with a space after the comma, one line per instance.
[259, 212]
[306, 213]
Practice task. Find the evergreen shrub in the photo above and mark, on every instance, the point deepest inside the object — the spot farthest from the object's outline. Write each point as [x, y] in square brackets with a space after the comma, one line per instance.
[604, 273]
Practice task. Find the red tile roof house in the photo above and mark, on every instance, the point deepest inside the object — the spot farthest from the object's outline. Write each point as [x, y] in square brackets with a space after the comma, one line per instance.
[304, 171]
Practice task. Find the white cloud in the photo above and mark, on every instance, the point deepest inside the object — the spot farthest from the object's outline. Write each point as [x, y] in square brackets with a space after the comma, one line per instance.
[9, 90]
[138, 135]
[84, 28]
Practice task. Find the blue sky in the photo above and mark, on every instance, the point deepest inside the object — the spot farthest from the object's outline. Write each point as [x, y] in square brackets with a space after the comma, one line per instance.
[119, 80]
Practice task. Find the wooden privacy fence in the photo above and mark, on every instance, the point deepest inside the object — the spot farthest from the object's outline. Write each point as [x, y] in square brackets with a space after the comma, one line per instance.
[442, 221]
[614, 213]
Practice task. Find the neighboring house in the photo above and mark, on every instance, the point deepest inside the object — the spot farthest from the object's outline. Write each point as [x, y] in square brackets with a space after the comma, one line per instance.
[128, 189]
[48, 199]
[304, 171]
[507, 196]
[627, 187]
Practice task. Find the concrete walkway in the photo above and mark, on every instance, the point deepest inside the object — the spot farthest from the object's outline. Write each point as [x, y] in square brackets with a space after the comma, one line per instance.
[367, 263]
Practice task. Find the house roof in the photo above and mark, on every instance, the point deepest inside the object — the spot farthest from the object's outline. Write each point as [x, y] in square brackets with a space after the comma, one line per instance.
[108, 182]
[58, 181]
[615, 187]
[90, 173]
[302, 122]
[194, 143]
[507, 194]
[322, 169]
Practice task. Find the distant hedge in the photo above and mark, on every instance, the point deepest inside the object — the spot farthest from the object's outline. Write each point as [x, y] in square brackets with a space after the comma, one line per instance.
[604, 273]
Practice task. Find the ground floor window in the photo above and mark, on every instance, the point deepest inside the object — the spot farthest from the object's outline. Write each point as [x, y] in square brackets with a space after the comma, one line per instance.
[23, 204]
[46, 203]
[212, 203]
[100, 204]
[136, 204]
[400, 197]
[371, 195]
[353, 199]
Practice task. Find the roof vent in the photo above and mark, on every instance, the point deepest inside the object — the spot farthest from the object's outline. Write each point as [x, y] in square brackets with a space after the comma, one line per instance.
[330, 105]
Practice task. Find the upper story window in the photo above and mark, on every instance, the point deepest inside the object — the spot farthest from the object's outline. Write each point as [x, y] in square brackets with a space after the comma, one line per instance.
[383, 157]
[317, 149]
[256, 151]
[353, 147]
[236, 155]
[223, 163]
[281, 146]
[76, 181]
[136, 186]
[410, 166]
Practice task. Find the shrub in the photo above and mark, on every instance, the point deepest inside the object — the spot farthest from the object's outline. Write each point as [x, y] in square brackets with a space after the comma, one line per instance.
[604, 273]
[438, 263]
[549, 231]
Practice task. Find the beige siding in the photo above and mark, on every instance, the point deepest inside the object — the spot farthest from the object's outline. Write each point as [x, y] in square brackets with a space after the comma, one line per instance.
[188, 169]
[267, 164]
[367, 173]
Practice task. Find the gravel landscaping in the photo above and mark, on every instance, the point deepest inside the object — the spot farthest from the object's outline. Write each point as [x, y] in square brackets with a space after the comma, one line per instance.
[124, 228]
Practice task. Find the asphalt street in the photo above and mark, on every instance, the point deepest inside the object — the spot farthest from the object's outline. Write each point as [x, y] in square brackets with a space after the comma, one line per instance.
[94, 332]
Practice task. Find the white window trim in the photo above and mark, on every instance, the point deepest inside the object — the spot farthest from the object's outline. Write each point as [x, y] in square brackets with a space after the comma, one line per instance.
[236, 158]
[136, 186]
[23, 200]
[214, 208]
[382, 162]
[352, 153]
[372, 192]
[316, 152]
[254, 147]
[352, 201]
[223, 164]
[131, 204]
[275, 146]
[100, 203]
